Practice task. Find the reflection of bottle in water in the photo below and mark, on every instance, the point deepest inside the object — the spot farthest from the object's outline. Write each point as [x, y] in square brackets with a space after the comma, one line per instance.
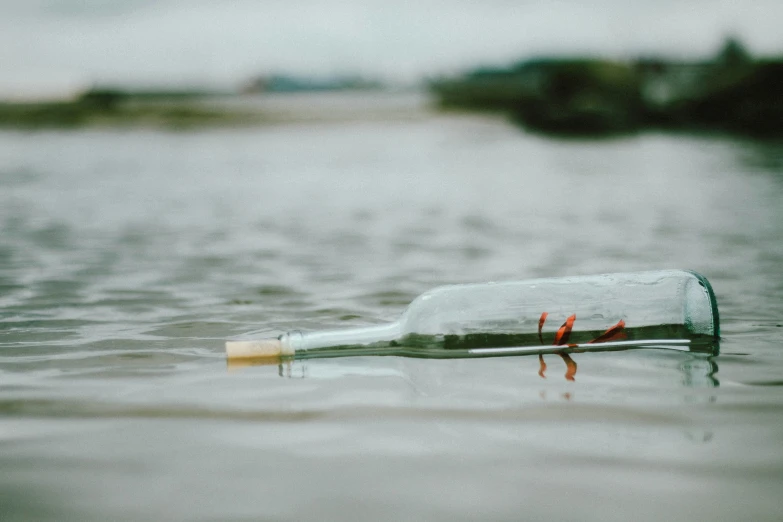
[699, 371]
[673, 309]
[698, 376]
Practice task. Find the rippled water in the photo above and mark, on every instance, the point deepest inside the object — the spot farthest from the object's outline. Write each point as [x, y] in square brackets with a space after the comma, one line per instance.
[127, 257]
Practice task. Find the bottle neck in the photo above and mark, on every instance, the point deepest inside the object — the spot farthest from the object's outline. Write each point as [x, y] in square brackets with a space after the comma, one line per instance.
[379, 335]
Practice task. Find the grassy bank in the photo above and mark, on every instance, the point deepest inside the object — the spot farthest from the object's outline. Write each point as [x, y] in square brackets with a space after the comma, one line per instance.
[109, 107]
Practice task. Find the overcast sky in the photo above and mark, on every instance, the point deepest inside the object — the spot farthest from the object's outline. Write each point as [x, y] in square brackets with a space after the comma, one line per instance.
[222, 42]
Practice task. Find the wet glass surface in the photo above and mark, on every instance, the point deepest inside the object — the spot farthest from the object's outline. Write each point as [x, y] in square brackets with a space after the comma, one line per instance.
[127, 257]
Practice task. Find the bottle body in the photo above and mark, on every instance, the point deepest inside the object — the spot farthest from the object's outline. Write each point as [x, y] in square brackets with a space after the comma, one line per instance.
[670, 308]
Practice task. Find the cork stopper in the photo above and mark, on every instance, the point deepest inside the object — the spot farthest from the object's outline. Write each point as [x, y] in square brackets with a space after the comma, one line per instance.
[239, 364]
[263, 348]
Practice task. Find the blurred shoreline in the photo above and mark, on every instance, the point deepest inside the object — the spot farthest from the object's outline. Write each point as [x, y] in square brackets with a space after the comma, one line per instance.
[194, 109]
[733, 92]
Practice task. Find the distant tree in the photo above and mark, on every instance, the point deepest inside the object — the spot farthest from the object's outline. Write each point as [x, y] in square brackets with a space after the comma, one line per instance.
[733, 53]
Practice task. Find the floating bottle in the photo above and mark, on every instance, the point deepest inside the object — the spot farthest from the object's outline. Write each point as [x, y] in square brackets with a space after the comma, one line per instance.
[671, 309]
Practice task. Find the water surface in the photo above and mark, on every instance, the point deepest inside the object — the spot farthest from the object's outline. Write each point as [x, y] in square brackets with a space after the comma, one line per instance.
[127, 257]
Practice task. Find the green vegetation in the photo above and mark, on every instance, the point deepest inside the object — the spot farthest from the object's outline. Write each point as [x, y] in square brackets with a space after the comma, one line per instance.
[170, 109]
[596, 97]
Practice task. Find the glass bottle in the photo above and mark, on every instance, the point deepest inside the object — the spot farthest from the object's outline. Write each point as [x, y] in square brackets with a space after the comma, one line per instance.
[674, 309]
